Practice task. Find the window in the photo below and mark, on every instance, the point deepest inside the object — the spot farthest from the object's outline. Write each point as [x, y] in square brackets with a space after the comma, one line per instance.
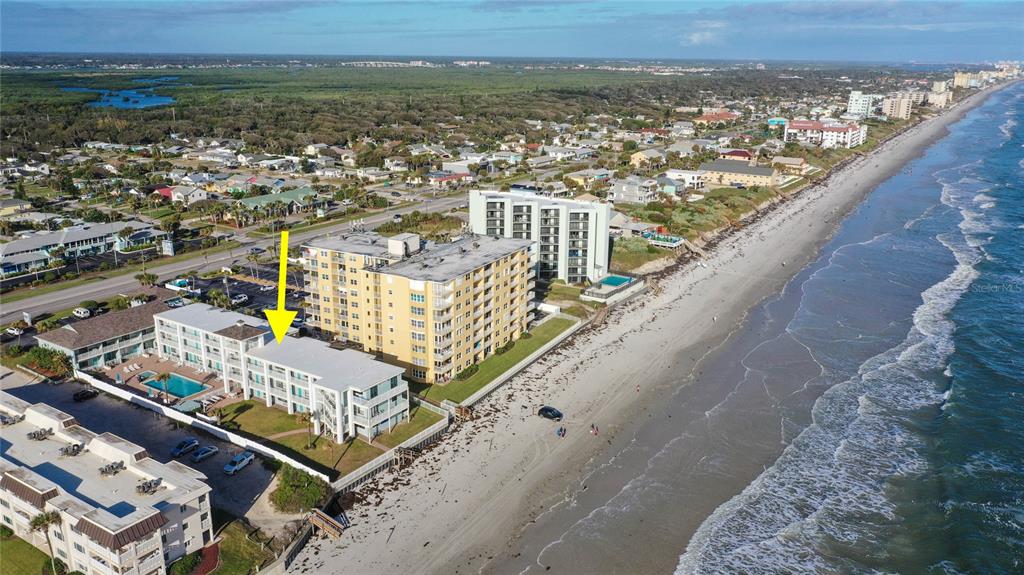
[182, 508]
[79, 548]
[418, 323]
[418, 311]
[419, 373]
[418, 298]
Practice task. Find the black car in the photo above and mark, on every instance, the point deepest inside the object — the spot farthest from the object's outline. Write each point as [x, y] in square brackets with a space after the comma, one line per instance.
[85, 394]
[396, 195]
[548, 412]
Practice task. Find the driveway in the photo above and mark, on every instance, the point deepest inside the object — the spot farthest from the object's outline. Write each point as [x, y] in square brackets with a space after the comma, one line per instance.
[152, 431]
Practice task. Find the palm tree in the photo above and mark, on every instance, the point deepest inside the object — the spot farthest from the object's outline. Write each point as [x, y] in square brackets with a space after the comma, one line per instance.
[218, 298]
[163, 378]
[252, 263]
[42, 522]
[146, 279]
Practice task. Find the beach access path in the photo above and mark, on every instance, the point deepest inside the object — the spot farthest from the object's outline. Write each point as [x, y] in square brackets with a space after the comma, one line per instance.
[459, 508]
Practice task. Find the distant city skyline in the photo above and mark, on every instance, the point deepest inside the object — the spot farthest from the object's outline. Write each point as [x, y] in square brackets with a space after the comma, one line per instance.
[862, 31]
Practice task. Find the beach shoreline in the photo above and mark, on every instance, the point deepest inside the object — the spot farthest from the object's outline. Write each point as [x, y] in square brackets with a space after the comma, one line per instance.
[465, 504]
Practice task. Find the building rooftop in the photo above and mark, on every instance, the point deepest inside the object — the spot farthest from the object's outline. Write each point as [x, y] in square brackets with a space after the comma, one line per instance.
[337, 369]
[366, 244]
[734, 167]
[210, 318]
[98, 329]
[84, 232]
[108, 507]
[544, 200]
[445, 262]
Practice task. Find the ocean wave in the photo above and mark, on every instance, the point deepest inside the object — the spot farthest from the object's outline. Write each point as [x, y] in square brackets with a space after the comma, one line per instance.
[825, 496]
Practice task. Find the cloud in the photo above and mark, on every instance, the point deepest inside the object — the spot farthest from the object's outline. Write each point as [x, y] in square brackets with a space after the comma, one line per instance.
[700, 38]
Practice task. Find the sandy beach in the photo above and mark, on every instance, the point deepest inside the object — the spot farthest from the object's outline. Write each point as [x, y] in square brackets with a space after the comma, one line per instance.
[464, 505]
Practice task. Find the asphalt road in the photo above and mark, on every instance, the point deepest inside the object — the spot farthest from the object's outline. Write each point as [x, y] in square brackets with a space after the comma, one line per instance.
[107, 288]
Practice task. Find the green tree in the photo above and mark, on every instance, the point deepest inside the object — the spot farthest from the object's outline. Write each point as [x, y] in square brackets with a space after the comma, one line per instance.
[146, 279]
[43, 522]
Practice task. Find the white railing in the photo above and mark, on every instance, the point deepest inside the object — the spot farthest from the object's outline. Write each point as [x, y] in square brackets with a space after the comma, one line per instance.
[385, 460]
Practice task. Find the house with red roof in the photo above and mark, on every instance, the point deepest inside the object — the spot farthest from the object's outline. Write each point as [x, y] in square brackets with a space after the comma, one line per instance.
[736, 154]
[716, 118]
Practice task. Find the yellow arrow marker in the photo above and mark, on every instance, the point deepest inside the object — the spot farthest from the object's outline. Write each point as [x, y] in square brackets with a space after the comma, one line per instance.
[280, 319]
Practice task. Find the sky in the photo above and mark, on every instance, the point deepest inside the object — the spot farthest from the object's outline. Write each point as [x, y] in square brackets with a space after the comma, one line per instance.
[862, 30]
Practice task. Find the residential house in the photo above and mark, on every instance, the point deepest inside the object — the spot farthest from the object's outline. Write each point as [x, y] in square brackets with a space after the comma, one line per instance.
[689, 179]
[590, 176]
[794, 166]
[736, 154]
[634, 190]
[12, 206]
[37, 251]
[716, 118]
[646, 158]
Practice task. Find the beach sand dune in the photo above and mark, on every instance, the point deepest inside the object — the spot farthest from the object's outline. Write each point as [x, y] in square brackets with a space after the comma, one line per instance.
[461, 506]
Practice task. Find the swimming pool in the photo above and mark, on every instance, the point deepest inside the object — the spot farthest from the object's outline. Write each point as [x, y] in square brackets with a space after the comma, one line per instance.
[616, 281]
[177, 385]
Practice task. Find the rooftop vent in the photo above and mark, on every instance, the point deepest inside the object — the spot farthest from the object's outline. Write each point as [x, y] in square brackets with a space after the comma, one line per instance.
[73, 450]
[112, 468]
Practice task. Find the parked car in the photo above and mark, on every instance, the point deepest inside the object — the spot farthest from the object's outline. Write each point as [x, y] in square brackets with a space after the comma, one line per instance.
[85, 394]
[239, 299]
[397, 217]
[396, 194]
[81, 312]
[267, 288]
[13, 330]
[186, 445]
[204, 453]
[239, 462]
[255, 251]
[548, 412]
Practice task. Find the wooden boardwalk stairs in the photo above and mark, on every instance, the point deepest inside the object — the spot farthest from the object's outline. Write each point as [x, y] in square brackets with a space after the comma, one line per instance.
[405, 456]
[326, 524]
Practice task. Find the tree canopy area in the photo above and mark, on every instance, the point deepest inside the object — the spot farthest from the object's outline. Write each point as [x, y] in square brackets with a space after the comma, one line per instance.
[282, 109]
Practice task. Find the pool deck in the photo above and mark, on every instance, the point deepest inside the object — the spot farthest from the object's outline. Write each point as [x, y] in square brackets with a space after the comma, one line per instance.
[157, 365]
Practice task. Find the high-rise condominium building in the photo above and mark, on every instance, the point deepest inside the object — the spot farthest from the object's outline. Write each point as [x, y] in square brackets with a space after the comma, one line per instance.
[897, 107]
[434, 309]
[861, 104]
[570, 237]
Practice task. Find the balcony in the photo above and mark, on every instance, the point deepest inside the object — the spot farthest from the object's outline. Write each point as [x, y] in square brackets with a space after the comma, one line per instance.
[443, 353]
[444, 317]
[443, 330]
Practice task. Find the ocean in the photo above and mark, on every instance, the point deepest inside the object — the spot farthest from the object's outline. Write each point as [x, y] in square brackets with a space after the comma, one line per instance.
[877, 400]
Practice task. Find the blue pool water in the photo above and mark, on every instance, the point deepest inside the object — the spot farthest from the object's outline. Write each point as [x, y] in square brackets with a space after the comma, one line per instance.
[178, 385]
[616, 281]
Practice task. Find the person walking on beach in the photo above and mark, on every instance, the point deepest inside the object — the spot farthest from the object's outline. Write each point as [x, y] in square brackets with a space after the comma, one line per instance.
[638, 388]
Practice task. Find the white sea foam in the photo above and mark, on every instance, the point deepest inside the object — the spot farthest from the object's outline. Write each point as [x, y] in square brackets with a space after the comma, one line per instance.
[834, 473]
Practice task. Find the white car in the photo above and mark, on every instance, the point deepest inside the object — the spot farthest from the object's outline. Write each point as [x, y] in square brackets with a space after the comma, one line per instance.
[81, 312]
[239, 299]
[239, 462]
[13, 330]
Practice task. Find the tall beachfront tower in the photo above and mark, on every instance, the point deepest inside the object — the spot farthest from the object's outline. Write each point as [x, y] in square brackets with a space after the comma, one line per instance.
[434, 309]
[571, 237]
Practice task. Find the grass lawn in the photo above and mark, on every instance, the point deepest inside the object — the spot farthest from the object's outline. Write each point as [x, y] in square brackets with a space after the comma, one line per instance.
[238, 555]
[345, 457]
[626, 260]
[27, 292]
[157, 213]
[563, 292]
[495, 365]
[18, 557]
[419, 420]
[256, 418]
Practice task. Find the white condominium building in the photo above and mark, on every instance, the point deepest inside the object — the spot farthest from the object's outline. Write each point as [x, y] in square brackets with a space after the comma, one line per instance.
[121, 511]
[347, 392]
[861, 104]
[571, 237]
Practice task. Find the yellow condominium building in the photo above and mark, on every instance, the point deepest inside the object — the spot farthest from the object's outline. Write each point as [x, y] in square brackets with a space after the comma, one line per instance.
[434, 309]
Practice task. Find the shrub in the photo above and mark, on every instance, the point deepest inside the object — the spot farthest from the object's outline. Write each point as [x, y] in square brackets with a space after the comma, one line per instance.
[51, 361]
[468, 372]
[62, 569]
[186, 564]
[14, 350]
[89, 304]
[6, 531]
[505, 348]
[298, 490]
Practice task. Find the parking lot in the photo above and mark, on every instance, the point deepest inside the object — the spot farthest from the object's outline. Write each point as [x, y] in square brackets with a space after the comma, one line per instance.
[157, 434]
[260, 296]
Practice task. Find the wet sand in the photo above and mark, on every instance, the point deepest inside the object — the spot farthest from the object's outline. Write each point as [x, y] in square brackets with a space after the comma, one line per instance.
[492, 496]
